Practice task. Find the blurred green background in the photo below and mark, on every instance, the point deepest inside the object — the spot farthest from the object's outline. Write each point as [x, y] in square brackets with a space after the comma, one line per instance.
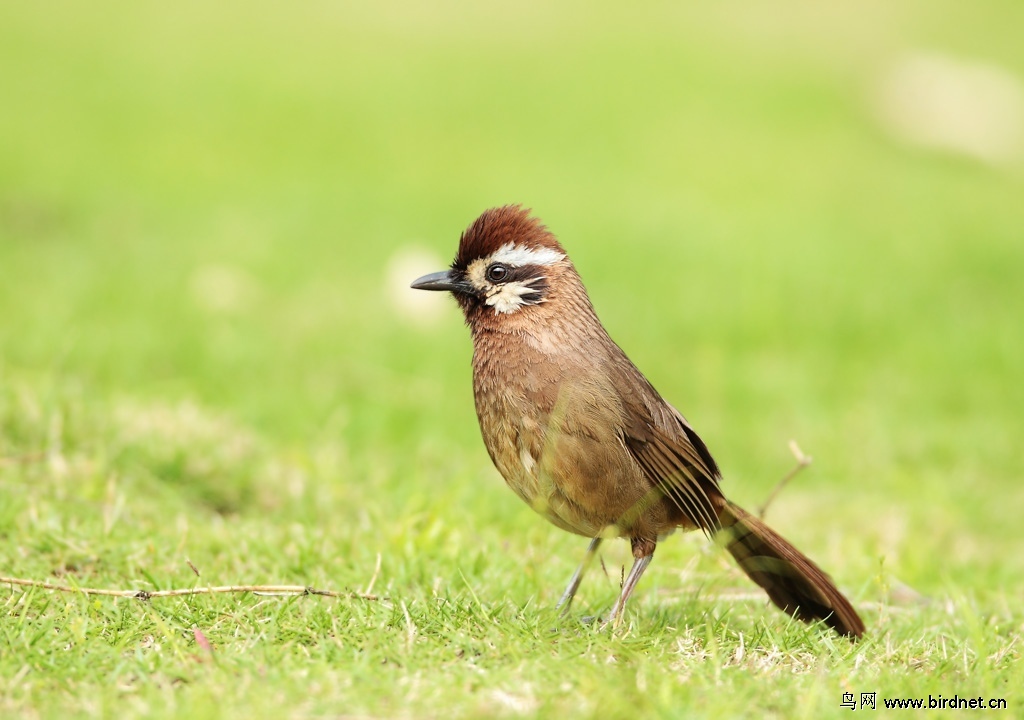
[209, 214]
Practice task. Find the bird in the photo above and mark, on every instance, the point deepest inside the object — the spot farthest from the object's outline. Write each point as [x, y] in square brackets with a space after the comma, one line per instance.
[581, 435]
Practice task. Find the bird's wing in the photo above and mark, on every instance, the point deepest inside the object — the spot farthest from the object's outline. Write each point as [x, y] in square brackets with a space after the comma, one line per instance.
[672, 455]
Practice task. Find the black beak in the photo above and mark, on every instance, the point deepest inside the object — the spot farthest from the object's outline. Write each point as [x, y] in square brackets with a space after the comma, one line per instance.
[443, 280]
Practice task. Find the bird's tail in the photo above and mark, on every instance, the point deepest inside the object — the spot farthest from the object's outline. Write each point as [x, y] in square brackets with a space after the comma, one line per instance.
[792, 581]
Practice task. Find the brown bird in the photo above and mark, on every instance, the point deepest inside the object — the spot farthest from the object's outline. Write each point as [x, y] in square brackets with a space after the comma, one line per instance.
[582, 436]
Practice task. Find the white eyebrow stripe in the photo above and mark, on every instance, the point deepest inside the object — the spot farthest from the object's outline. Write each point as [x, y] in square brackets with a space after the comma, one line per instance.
[517, 255]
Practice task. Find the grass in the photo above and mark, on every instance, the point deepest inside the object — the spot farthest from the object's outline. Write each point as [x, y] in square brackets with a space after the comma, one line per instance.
[204, 357]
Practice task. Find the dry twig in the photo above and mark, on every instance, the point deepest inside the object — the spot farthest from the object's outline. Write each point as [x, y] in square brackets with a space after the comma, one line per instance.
[22, 459]
[212, 590]
[802, 461]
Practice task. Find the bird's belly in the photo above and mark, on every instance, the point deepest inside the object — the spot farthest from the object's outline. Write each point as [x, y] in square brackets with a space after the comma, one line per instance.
[545, 495]
[585, 487]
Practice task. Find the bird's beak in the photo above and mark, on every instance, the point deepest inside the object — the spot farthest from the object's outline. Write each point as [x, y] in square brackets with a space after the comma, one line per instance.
[443, 280]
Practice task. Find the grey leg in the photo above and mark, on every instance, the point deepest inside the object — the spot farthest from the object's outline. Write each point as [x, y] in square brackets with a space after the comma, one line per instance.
[577, 577]
[640, 564]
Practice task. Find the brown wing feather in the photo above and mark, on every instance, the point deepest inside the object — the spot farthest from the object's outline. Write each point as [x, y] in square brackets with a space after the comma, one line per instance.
[673, 457]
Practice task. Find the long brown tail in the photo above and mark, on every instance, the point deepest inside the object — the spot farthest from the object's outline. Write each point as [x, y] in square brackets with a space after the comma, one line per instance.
[792, 581]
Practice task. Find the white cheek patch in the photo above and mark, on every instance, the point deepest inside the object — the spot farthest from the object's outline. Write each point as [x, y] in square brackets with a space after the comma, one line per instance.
[508, 297]
[517, 255]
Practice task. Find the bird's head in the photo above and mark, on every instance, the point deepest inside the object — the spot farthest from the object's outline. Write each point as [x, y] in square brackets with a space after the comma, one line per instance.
[508, 268]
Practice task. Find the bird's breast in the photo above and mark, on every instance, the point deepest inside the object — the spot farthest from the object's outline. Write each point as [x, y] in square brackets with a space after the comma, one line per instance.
[553, 430]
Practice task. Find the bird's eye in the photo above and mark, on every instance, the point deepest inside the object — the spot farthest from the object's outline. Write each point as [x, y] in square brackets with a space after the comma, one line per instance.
[497, 273]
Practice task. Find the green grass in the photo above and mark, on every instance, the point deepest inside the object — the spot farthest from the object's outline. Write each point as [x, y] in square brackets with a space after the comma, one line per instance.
[201, 357]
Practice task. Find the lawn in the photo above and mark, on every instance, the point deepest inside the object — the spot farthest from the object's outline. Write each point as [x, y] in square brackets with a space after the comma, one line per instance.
[212, 371]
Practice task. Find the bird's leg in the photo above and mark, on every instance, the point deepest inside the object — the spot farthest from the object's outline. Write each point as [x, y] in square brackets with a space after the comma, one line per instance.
[643, 553]
[577, 577]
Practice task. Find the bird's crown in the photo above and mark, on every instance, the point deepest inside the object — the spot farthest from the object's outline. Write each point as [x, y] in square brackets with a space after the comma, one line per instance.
[508, 234]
